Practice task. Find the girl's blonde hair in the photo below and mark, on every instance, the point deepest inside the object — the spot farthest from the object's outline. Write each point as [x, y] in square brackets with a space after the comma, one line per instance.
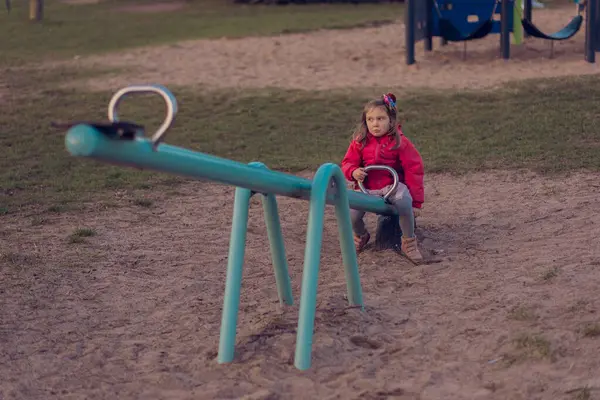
[388, 102]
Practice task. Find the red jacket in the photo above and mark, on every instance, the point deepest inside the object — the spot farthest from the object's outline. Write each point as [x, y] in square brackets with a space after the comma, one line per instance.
[406, 160]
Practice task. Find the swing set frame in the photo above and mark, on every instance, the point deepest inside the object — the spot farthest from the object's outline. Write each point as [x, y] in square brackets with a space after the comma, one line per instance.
[426, 19]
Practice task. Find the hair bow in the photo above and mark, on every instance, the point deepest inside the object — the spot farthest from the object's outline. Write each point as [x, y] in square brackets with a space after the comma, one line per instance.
[389, 101]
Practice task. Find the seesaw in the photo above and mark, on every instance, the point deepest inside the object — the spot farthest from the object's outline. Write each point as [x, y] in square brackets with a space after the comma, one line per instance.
[125, 144]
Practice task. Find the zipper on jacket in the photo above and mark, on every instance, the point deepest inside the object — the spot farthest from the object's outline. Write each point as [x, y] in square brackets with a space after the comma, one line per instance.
[377, 150]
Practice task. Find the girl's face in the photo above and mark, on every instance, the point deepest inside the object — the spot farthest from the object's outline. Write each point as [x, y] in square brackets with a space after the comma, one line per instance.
[378, 121]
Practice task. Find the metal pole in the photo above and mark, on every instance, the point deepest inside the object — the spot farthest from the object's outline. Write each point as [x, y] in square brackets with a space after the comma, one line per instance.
[312, 258]
[276, 243]
[527, 14]
[592, 27]
[517, 26]
[86, 141]
[36, 10]
[504, 30]
[429, 25]
[410, 32]
[233, 282]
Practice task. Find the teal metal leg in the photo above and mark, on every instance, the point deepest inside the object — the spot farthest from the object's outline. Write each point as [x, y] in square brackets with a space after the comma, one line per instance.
[312, 257]
[282, 276]
[235, 264]
[342, 212]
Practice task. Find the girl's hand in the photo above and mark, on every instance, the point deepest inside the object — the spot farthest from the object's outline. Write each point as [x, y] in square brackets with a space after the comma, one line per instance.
[416, 212]
[359, 174]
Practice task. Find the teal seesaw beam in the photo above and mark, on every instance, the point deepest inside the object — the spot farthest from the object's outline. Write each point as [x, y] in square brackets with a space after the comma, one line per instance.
[126, 145]
[84, 140]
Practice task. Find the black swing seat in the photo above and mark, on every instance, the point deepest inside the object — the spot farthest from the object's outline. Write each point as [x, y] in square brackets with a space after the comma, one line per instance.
[565, 33]
[452, 34]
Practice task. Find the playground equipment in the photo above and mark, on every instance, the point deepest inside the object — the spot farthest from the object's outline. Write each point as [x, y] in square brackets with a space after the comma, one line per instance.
[124, 143]
[567, 32]
[391, 170]
[388, 233]
[456, 21]
[460, 21]
[36, 9]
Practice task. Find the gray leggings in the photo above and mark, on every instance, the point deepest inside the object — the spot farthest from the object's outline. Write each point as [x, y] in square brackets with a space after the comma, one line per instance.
[401, 199]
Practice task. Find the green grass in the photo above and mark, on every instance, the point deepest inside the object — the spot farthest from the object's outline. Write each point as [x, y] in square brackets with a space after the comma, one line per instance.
[591, 330]
[529, 346]
[547, 126]
[71, 30]
[522, 313]
[550, 273]
[79, 235]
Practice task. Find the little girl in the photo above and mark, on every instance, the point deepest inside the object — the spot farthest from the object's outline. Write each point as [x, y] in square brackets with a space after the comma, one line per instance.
[379, 140]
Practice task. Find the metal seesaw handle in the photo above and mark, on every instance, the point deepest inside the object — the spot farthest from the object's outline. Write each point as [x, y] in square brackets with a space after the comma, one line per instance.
[168, 97]
[391, 171]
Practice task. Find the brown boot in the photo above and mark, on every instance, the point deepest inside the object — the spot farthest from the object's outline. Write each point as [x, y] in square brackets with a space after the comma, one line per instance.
[361, 241]
[410, 250]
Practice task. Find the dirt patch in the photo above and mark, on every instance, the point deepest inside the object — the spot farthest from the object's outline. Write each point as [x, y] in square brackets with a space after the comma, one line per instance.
[152, 8]
[366, 57]
[135, 310]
